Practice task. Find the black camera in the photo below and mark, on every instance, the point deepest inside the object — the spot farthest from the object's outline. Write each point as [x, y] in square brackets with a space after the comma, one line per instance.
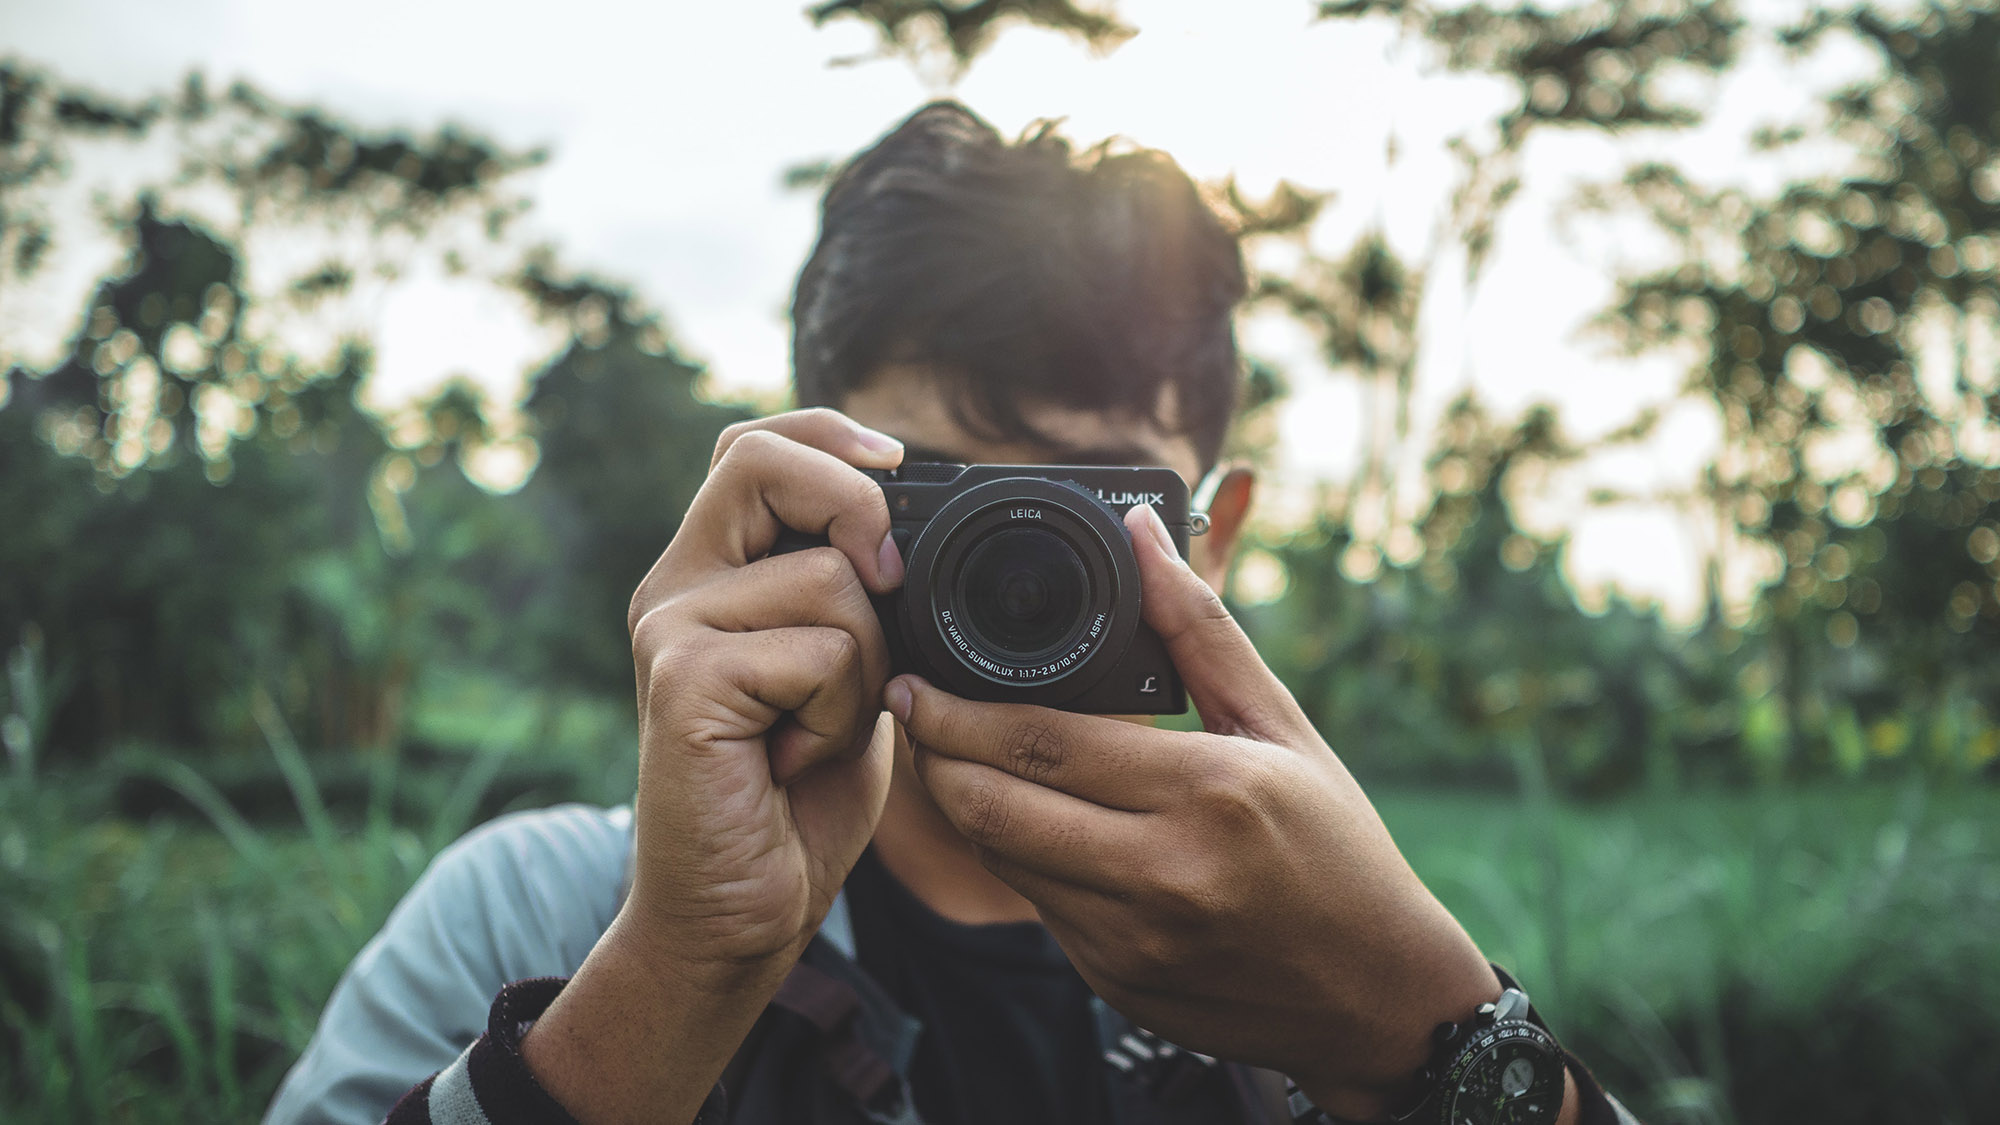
[1021, 585]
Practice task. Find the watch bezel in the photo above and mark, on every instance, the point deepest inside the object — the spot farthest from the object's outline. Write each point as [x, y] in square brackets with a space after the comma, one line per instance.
[1482, 1044]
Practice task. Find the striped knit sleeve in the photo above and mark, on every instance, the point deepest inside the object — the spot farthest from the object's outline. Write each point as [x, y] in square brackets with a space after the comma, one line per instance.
[490, 1084]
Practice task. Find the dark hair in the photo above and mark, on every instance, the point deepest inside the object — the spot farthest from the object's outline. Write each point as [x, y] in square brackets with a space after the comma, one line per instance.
[1022, 272]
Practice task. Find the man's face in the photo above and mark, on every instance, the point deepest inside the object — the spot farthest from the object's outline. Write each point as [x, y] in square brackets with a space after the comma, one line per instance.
[910, 404]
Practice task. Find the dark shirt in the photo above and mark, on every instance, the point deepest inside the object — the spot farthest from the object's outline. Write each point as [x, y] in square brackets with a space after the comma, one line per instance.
[1008, 1031]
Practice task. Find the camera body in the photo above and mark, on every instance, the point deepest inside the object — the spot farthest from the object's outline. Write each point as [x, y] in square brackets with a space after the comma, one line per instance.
[1021, 585]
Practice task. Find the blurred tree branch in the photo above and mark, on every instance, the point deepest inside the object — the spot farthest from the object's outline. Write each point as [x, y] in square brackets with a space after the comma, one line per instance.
[919, 30]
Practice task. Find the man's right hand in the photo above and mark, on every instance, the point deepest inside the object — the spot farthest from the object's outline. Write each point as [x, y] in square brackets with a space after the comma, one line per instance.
[764, 764]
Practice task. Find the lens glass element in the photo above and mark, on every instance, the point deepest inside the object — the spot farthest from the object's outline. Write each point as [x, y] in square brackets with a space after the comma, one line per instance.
[1022, 591]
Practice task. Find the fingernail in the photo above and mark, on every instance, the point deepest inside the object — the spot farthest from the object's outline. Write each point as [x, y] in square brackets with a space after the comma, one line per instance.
[889, 562]
[876, 441]
[898, 699]
[1161, 535]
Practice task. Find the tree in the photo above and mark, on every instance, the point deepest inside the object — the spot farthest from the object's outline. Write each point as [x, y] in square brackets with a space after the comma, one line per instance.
[625, 440]
[1842, 330]
[176, 484]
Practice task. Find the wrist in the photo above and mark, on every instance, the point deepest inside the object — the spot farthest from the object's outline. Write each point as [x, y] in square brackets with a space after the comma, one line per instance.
[1376, 1070]
[1503, 1056]
[641, 1035]
[697, 931]
[697, 957]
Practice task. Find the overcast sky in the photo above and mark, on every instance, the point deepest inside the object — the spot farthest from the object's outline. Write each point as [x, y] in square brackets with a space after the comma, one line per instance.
[669, 126]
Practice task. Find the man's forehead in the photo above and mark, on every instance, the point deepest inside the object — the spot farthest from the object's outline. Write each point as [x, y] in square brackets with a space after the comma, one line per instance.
[912, 405]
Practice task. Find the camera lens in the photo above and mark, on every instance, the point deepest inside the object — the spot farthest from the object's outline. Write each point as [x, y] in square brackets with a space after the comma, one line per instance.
[1022, 591]
[1020, 588]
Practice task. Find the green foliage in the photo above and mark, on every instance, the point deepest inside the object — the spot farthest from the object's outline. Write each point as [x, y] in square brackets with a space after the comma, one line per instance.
[172, 967]
[197, 512]
[1473, 664]
[1813, 321]
[1851, 309]
[172, 931]
[1807, 955]
[917, 28]
[625, 444]
[150, 587]
[1857, 306]
[162, 596]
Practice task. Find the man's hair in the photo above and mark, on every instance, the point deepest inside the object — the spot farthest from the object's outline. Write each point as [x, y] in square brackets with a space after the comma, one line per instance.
[1022, 272]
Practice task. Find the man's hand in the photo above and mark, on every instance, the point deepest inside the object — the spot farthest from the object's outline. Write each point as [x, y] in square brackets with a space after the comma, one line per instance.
[1231, 890]
[763, 767]
[764, 761]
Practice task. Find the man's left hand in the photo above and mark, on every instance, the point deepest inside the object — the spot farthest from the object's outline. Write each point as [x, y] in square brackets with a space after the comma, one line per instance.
[1231, 889]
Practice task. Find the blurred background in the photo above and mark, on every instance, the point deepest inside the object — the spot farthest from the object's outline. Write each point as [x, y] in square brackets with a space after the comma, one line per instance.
[1625, 380]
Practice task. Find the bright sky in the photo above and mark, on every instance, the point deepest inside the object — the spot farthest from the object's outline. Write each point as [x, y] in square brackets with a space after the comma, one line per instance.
[669, 126]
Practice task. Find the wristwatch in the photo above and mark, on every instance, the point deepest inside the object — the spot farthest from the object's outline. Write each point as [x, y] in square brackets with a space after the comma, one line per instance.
[1500, 1068]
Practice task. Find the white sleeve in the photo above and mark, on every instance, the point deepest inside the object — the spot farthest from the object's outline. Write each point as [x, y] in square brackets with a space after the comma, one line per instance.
[525, 896]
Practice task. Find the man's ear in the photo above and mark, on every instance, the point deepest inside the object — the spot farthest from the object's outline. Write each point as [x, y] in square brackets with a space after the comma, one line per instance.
[1228, 490]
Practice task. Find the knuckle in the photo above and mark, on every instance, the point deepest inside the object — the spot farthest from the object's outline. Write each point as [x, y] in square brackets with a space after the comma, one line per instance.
[984, 814]
[857, 503]
[839, 651]
[823, 572]
[1259, 782]
[650, 633]
[727, 438]
[1191, 893]
[1234, 782]
[865, 495]
[1211, 611]
[850, 604]
[668, 668]
[749, 447]
[1034, 751]
[635, 612]
[1233, 797]
[1249, 805]
[1212, 775]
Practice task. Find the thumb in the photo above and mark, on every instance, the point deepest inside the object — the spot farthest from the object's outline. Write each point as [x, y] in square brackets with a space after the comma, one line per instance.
[1229, 683]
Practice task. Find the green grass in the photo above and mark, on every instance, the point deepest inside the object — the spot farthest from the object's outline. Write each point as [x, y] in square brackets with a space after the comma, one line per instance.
[1779, 956]
[1776, 956]
[170, 933]
[162, 971]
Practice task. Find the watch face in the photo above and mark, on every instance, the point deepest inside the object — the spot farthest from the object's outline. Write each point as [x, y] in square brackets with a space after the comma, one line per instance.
[1511, 1074]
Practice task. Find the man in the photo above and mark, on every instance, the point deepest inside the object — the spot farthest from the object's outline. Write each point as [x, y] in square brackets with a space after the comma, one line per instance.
[845, 897]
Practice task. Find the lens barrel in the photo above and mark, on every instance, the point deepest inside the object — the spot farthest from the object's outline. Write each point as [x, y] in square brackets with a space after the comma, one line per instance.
[1024, 582]
[1021, 592]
